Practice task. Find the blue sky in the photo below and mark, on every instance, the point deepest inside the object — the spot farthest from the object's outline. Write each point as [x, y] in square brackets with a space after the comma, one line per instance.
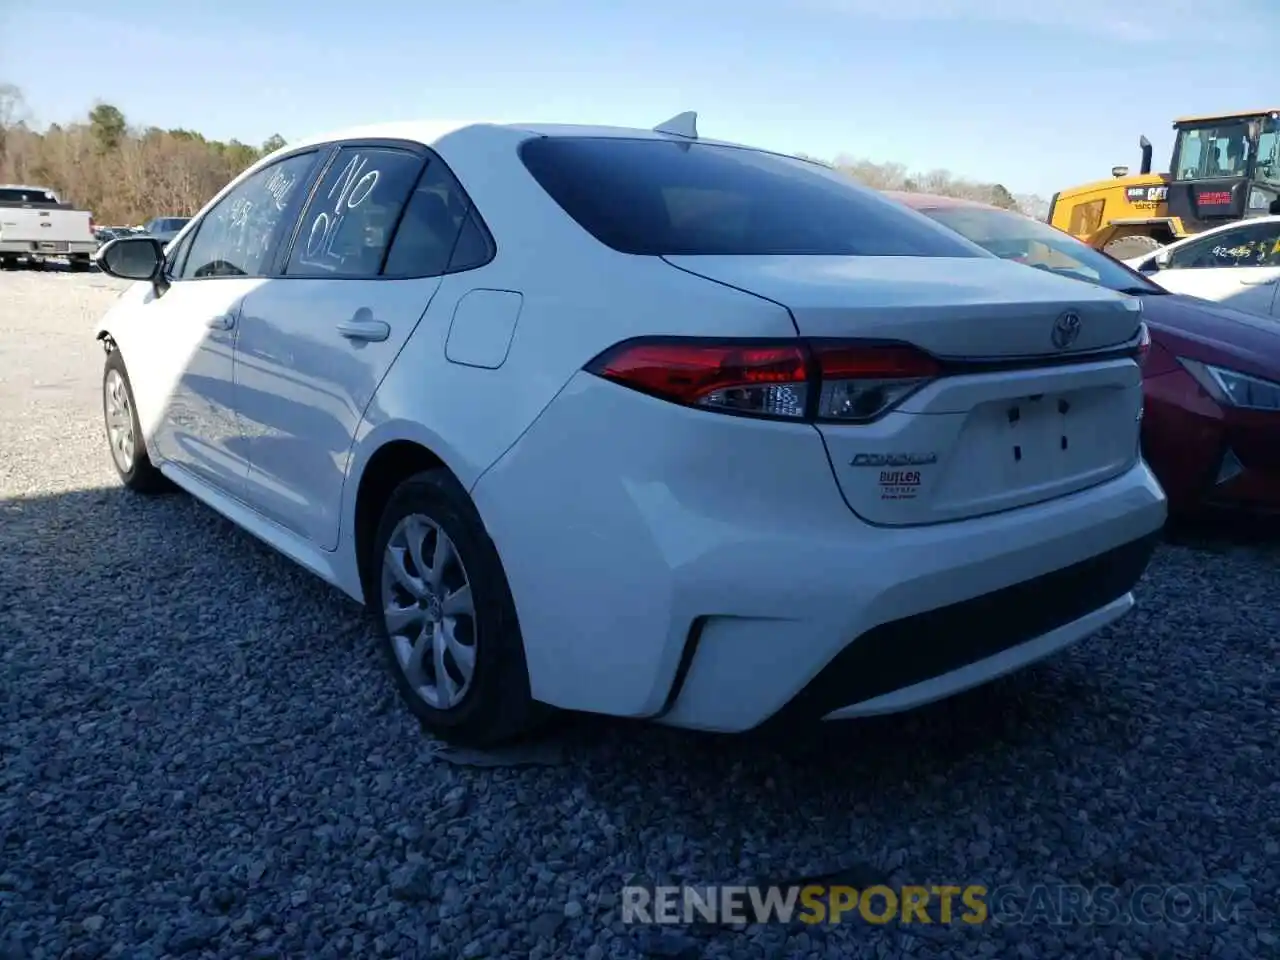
[1036, 95]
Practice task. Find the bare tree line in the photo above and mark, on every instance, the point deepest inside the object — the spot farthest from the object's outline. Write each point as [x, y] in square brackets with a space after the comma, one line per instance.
[896, 176]
[126, 175]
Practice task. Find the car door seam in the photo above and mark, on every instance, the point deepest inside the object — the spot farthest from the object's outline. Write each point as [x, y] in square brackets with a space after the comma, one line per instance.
[751, 293]
[373, 395]
[520, 436]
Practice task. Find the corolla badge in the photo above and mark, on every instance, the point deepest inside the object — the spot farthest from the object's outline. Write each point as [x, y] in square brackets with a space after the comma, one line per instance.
[1066, 330]
[893, 459]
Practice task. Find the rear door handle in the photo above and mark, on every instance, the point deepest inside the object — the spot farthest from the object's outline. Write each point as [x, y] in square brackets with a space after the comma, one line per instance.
[365, 330]
[223, 321]
[1258, 283]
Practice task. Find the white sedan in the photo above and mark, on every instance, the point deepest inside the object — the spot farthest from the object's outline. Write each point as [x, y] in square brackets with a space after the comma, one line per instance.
[634, 422]
[1237, 264]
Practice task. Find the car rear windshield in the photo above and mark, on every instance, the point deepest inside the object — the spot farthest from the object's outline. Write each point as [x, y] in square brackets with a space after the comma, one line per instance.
[1011, 236]
[22, 195]
[662, 197]
[173, 224]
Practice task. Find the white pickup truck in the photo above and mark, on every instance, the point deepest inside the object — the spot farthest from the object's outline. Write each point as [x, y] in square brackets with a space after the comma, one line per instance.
[35, 224]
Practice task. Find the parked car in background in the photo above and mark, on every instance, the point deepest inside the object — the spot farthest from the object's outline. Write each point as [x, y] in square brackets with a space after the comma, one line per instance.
[1237, 265]
[36, 226]
[1211, 429]
[164, 229]
[631, 422]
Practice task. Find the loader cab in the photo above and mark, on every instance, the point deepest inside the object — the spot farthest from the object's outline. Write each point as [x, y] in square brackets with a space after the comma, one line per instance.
[1224, 168]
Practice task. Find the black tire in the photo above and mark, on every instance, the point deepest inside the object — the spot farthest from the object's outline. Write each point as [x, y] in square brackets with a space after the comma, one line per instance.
[1126, 248]
[140, 475]
[80, 264]
[8, 263]
[497, 706]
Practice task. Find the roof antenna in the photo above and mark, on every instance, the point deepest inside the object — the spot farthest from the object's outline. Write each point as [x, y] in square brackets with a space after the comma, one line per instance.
[681, 125]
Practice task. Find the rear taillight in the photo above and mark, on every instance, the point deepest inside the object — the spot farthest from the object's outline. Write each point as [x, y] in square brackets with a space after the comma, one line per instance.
[763, 379]
[859, 382]
[841, 381]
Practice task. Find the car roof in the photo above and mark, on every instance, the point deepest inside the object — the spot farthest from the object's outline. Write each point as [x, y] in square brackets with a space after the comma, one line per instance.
[430, 132]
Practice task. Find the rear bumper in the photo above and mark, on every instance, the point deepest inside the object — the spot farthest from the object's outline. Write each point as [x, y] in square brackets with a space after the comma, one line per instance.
[704, 570]
[25, 248]
[952, 609]
[931, 655]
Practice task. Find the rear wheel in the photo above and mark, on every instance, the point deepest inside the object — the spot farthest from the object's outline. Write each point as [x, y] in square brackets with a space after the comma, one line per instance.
[1126, 248]
[448, 620]
[124, 433]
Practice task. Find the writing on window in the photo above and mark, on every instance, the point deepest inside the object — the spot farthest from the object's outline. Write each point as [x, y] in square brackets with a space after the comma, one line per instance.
[348, 223]
[237, 236]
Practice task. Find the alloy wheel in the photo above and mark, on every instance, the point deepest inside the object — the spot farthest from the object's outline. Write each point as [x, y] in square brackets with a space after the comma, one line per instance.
[429, 611]
[119, 421]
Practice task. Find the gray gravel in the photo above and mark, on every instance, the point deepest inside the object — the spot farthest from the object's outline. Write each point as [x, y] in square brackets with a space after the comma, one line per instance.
[200, 754]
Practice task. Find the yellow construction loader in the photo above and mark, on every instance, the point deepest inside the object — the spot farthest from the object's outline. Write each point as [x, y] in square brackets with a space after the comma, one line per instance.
[1224, 167]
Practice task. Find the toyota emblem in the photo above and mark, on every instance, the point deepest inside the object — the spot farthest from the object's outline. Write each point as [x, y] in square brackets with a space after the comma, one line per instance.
[1065, 330]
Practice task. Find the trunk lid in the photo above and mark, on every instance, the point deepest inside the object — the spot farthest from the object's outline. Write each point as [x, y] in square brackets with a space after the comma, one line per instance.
[973, 307]
[974, 441]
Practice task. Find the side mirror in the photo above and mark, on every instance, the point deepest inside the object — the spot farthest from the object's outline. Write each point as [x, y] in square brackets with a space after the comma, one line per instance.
[132, 258]
[1156, 263]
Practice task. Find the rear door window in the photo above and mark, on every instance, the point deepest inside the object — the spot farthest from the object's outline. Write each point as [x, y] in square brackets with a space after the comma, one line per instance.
[352, 214]
[440, 232]
[661, 197]
[23, 195]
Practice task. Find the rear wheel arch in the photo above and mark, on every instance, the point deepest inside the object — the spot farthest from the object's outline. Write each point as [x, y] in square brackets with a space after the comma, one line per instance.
[387, 467]
[405, 479]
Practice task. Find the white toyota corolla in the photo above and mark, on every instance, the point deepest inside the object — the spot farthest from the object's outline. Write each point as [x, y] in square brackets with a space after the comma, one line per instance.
[634, 422]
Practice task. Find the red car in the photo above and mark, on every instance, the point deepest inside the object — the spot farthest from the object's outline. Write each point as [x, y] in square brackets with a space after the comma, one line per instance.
[1211, 427]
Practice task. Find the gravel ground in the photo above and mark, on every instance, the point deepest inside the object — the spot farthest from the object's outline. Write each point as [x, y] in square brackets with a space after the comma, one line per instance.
[200, 754]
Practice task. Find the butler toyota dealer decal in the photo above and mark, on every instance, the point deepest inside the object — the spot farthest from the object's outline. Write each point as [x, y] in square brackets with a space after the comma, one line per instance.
[896, 484]
[899, 484]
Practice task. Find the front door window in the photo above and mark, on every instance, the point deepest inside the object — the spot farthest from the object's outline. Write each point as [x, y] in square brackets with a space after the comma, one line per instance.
[238, 236]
